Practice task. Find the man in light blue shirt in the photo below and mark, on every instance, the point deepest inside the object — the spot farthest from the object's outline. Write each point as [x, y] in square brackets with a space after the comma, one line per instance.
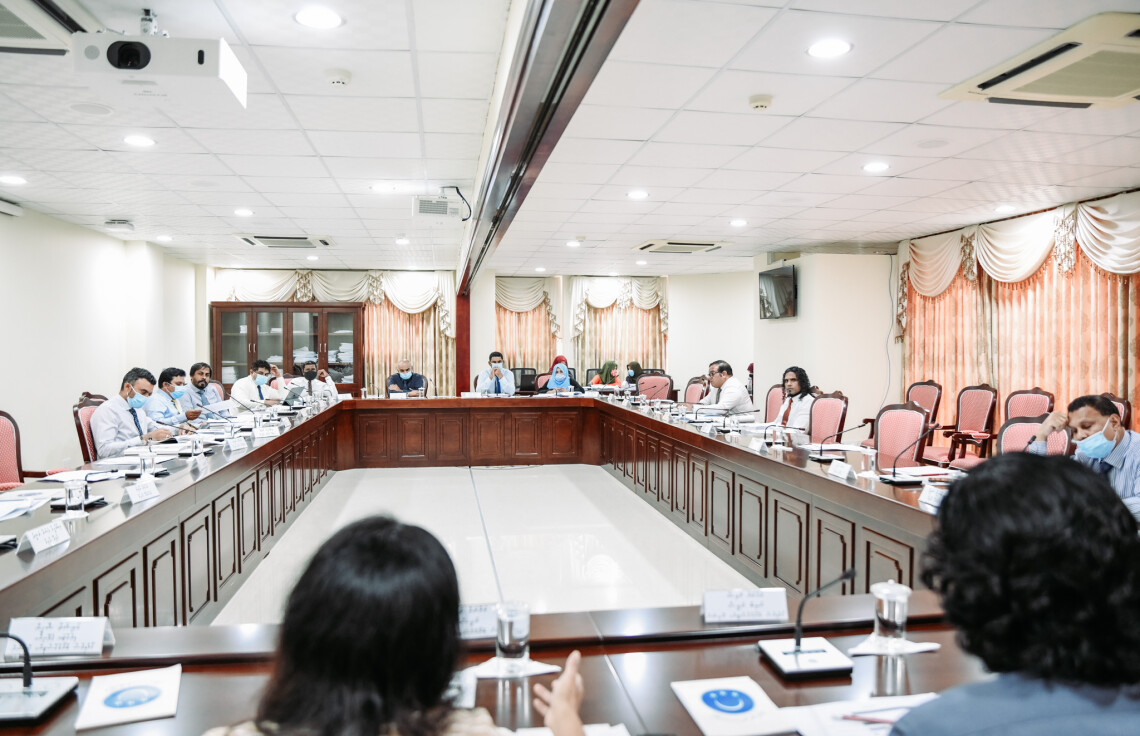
[201, 393]
[121, 422]
[496, 379]
[168, 405]
[1103, 444]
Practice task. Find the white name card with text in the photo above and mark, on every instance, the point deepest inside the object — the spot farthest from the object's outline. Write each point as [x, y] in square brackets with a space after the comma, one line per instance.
[235, 443]
[144, 490]
[44, 537]
[756, 604]
[479, 621]
[261, 433]
[56, 637]
[840, 469]
[759, 445]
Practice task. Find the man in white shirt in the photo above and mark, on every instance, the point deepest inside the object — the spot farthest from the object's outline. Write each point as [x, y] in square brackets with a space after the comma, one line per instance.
[727, 394]
[169, 405]
[120, 422]
[201, 393]
[314, 382]
[254, 392]
[795, 412]
[496, 379]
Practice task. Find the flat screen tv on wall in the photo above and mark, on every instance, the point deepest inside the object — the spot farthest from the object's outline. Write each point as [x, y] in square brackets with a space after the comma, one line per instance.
[778, 293]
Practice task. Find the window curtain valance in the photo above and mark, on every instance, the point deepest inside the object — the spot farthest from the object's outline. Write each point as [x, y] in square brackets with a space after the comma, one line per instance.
[601, 292]
[525, 294]
[1107, 231]
[409, 291]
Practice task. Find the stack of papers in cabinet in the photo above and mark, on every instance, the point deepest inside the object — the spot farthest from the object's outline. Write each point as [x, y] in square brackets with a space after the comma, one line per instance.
[345, 352]
[229, 374]
[275, 358]
[304, 355]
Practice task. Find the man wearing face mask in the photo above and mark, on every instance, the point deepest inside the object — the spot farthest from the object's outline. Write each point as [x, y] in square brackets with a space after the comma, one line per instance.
[314, 382]
[1103, 444]
[254, 390]
[120, 422]
[169, 405]
[201, 393]
[496, 379]
[405, 381]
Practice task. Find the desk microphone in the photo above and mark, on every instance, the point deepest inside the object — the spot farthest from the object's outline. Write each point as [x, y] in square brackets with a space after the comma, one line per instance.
[816, 656]
[176, 426]
[820, 457]
[241, 403]
[893, 479]
[20, 701]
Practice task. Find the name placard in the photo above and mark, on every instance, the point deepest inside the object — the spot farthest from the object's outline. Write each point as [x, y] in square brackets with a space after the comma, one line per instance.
[235, 443]
[759, 445]
[44, 537]
[840, 469]
[709, 429]
[757, 604]
[265, 432]
[55, 637]
[932, 495]
[144, 490]
[478, 621]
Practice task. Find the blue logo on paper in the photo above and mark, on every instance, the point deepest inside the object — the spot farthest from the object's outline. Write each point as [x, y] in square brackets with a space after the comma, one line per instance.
[132, 696]
[727, 701]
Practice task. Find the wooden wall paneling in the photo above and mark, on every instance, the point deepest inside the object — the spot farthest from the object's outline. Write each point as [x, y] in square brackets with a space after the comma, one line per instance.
[197, 570]
[76, 604]
[345, 438]
[629, 452]
[751, 524]
[665, 477]
[640, 482]
[608, 441]
[721, 483]
[412, 441]
[488, 436]
[226, 542]
[372, 444]
[620, 446]
[295, 461]
[698, 494]
[265, 515]
[279, 488]
[248, 526]
[564, 432]
[882, 558]
[589, 437]
[526, 436]
[162, 582]
[462, 341]
[652, 462]
[788, 539]
[118, 593]
[681, 483]
[833, 547]
[450, 438]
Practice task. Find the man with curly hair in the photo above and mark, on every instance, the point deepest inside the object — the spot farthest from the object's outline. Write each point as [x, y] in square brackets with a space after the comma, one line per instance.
[1038, 565]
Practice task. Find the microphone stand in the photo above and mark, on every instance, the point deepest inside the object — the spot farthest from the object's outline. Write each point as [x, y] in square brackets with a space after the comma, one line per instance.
[798, 657]
[893, 479]
[820, 457]
[19, 700]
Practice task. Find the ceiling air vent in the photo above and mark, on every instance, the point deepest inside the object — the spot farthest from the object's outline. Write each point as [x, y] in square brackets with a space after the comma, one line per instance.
[287, 241]
[436, 207]
[677, 246]
[1096, 63]
[42, 26]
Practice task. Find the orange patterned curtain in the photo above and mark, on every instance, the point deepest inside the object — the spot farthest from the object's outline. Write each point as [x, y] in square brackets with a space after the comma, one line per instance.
[622, 335]
[524, 338]
[391, 335]
[1069, 333]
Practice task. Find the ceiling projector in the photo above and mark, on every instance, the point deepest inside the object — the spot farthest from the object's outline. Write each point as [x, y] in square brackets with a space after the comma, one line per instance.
[156, 70]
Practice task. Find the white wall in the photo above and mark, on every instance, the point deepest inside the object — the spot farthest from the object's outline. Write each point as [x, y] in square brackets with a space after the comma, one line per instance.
[80, 309]
[842, 334]
[482, 306]
[710, 318]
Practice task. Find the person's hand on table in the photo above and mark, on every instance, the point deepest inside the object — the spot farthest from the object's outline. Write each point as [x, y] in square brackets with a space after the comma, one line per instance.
[414, 393]
[1055, 422]
[158, 435]
[272, 402]
[559, 705]
[193, 414]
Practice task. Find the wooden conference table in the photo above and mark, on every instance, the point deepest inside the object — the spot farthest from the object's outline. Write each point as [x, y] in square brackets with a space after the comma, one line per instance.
[777, 518]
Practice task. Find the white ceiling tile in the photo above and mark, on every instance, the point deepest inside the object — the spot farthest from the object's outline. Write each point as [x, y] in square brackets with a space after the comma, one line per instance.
[367, 145]
[782, 45]
[1122, 178]
[968, 114]
[294, 166]
[620, 83]
[1123, 151]
[569, 191]
[262, 112]
[644, 176]
[254, 142]
[455, 169]
[1118, 121]
[374, 73]
[373, 169]
[987, 191]
[830, 135]
[593, 151]
[11, 111]
[942, 10]
[1040, 13]
[852, 165]
[460, 25]
[702, 127]
[879, 99]
[454, 116]
[303, 185]
[963, 169]
[617, 123]
[452, 145]
[685, 154]
[957, 52]
[889, 216]
[41, 135]
[779, 159]
[307, 199]
[933, 140]
[46, 71]
[792, 94]
[685, 33]
[456, 76]
[157, 162]
[556, 172]
[366, 25]
[746, 180]
[656, 193]
[716, 196]
[1045, 174]
[828, 184]
[868, 202]
[902, 186]
[939, 205]
[549, 204]
[227, 199]
[332, 112]
[1028, 146]
[704, 209]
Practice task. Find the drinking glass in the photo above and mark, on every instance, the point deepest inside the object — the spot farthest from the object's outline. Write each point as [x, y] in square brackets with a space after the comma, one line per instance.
[512, 645]
[890, 610]
[74, 494]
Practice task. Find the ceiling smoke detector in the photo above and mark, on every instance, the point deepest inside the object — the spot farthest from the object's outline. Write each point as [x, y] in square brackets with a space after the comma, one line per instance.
[119, 226]
[338, 78]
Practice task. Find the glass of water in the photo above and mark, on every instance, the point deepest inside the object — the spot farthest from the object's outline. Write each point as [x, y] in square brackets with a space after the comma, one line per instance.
[74, 494]
[890, 610]
[147, 461]
[512, 645]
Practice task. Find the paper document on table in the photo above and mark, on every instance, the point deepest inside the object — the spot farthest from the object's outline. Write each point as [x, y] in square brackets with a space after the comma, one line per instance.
[91, 476]
[130, 697]
[726, 706]
[832, 446]
[921, 472]
[11, 508]
[871, 717]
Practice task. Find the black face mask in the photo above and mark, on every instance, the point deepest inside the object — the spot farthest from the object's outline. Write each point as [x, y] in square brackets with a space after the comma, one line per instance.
[310, 375]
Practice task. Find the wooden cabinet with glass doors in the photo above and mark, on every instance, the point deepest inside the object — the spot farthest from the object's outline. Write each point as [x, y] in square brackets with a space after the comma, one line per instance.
[289, 335]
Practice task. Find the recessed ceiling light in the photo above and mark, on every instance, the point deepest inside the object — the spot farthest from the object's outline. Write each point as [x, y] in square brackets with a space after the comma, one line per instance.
[139, 141]
[1004, 209]
[638, 194]
[311, 258]
[642, 263]
[540, 269]
[13, 180]
[876, 167]
[163, 238]
[319, 17]
[739, 223]
[572, 243]
[402, 240]
[91, 108]
[243, 212]
[829, 48]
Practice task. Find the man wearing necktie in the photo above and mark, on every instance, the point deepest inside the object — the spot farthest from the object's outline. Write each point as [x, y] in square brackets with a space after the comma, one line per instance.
[169, 405]
[202, 393]
[256, 389]
[496, 379]
[120, 422]
[1103, 444]
[728, 393]
[314, 381]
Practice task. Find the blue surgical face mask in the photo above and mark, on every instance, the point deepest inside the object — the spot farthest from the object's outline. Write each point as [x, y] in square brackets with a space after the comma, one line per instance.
[178, 392]
[1096, 446]
[630, 372]
[137, 401]
[405, 375]
[260, 379]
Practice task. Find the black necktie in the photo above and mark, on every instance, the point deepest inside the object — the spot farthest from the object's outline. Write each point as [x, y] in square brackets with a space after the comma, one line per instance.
[136, 418]
[259, 394]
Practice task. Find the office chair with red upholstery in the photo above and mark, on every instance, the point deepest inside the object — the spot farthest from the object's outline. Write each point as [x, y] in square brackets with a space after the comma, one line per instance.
[827, 415]
[974, 426]
[1123, 406]
[654, 386]
[1015, 435]
[541, 380]
[928, 395]
[1029, 402]
[82, 412]
[773, 401]
[896, 445]
[695, 390]
[11, 467]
